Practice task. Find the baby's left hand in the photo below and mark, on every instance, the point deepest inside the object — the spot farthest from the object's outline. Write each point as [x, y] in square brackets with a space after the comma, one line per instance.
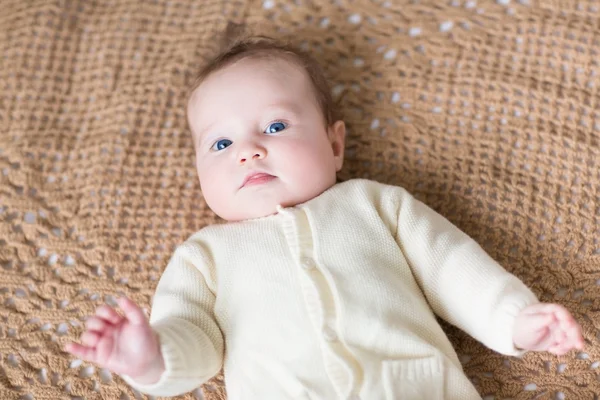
[547, 327]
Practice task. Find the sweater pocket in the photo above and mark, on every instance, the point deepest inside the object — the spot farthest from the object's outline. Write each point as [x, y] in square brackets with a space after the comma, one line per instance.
[414, 379]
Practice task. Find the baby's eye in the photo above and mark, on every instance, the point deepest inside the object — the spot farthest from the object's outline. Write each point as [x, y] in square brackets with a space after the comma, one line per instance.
[221, 144]
[275, 127]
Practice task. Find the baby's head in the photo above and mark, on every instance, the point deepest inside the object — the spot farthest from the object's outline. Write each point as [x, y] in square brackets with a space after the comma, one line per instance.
[264, 129]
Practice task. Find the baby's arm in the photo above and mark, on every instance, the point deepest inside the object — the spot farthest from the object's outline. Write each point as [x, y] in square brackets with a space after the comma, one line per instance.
[182, 315]
[461, 282]
[179, 349]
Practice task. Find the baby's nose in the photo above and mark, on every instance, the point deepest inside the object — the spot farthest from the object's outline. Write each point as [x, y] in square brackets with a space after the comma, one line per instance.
[253, 153]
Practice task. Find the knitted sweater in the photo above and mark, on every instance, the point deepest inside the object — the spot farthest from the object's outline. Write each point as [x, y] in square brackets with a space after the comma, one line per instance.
[332, 299]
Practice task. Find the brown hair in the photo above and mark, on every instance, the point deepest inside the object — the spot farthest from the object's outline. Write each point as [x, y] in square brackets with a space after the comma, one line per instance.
[240, 46]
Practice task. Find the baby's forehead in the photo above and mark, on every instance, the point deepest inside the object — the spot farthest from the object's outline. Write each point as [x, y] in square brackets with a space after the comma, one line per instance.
[272, 60]
[287, 72]
[274, 65]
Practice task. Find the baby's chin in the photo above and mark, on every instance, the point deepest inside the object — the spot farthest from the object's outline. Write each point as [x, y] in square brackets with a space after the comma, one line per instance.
[246, 212]
[262, 200]
[255, 208]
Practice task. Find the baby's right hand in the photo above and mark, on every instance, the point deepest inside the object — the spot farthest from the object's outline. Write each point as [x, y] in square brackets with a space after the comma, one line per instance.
[125, 345]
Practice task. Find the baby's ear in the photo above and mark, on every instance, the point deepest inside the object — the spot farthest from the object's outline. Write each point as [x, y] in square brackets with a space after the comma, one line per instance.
[337, 137]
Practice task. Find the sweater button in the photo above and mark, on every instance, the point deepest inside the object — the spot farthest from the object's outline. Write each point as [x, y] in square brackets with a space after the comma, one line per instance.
[307, 263]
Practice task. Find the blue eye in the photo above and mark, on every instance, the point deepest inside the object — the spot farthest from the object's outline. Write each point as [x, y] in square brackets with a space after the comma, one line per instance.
[275, 127]
[221, 144]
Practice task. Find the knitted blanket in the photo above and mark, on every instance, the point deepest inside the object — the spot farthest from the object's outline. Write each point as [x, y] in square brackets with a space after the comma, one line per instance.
[485, 110]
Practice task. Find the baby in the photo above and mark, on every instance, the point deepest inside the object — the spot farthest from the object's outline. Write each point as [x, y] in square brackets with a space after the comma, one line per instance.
[313, 289]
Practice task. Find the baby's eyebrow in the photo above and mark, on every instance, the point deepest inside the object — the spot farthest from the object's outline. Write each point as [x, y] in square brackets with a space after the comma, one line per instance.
[201, 134]
[204, 137]
[286, 106]
[203, 129]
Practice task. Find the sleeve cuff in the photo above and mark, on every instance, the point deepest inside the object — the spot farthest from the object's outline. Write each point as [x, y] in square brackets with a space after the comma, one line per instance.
[189, 360]
[518, 297]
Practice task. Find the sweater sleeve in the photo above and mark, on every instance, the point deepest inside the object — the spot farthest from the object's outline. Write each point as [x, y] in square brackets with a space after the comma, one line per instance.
[182, 316]
[461, 282]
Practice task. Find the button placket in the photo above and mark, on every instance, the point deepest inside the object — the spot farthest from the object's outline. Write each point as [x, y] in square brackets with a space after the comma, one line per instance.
[329, 334]
[321, 307]
[307, 263]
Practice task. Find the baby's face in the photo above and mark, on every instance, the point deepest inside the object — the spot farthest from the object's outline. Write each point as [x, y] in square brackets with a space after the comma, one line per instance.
[261, 139]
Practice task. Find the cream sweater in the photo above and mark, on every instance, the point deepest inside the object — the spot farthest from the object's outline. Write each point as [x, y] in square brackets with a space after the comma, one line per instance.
[332, 299]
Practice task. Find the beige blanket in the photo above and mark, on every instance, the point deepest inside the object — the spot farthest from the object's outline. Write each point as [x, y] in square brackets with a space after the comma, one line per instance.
[486, 110]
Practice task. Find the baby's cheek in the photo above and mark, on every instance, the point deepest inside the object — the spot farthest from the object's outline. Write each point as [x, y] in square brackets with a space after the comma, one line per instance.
[210, 188]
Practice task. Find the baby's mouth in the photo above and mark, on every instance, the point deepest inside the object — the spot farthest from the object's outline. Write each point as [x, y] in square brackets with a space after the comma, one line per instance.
[257, 178]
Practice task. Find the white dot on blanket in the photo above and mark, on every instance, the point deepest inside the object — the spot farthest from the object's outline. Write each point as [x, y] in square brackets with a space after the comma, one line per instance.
[354, 19]
[62, 329]
[87, 371]
[414, 31]
[446, 26]
[105, 375]
[268, 4]
[29, 217]
[337, 90]
[53, 259]
[390, 54]
[359, 62]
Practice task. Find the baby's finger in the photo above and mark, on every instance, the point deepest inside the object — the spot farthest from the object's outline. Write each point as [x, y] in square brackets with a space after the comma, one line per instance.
[566, 345]
[95, 324]
[90, 339]
[542, 339]
[563, 316]
[104, 350]
[580, 344]
[109, 314]
[541, 308]
[541, 321]
[558, 335]
[559, 349]
[571, 328]
[83, 352]
[132, 312]
[576, 336]
[540, 335]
